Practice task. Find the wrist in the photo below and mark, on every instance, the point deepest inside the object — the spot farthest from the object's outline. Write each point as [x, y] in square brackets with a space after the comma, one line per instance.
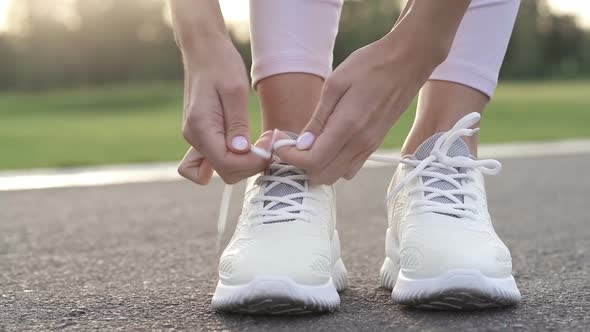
[203, 41]
[428, 28]
[197, 25]
[418, 46]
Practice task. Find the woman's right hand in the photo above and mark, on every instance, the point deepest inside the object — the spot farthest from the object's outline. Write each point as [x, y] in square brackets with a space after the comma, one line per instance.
[216, 89]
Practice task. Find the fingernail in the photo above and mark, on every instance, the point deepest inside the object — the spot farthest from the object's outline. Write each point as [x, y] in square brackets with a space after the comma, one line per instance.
[305, 141]
[239, 143]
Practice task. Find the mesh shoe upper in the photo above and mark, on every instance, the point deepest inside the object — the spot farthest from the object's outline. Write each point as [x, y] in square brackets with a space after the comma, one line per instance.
[458, 148]
[432, 233]
[286, 229]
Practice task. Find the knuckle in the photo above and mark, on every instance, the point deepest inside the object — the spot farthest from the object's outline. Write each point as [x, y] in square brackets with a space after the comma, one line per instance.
[237, 125]
[333, 85]
[229, 178]
[352, 124]
[318, 121]
[352, 172]
[192, 113]
[181, 171]
[235, 89]
[190, 123]
[367, 140]
[187, 132]
[190, 132]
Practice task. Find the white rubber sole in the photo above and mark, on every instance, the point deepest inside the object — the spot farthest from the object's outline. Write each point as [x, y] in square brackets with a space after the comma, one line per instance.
[279, 294]
[456, 289]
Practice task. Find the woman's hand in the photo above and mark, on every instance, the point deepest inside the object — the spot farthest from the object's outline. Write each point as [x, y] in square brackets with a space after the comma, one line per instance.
[370, 90]
[195, 167]
[216, 90]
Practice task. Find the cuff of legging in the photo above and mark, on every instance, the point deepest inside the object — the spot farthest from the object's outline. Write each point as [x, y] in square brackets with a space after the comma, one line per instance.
[281, 63]
[466, 74]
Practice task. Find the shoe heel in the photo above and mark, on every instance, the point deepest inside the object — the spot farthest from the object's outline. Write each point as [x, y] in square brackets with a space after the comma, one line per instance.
[388, 273]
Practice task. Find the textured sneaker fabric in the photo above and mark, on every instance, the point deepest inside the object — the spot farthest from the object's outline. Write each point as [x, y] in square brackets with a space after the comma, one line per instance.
[283, 189]
[302, 251]
[458, 148]
[429, 244]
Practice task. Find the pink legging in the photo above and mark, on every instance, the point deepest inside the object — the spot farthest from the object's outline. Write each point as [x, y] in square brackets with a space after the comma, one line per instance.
[298, 36]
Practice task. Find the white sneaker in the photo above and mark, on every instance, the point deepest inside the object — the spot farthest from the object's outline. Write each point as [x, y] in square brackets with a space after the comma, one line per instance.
[441, 248]
[284, 256]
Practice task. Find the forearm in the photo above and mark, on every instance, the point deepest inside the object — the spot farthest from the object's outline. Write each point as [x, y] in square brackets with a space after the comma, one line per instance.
[427, 28]
[196, 22]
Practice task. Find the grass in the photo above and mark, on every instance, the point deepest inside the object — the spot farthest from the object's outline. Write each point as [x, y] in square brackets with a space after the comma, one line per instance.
[141, 122]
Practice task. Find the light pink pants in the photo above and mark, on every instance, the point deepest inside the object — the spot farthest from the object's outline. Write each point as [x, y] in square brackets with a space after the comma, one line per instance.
[298, 36]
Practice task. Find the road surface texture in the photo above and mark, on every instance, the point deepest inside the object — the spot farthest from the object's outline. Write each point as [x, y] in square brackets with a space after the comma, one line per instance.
[143, 257]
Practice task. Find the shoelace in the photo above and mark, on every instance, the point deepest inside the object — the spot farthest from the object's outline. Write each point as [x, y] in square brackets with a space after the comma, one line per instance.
[291, 209]
[437, 159]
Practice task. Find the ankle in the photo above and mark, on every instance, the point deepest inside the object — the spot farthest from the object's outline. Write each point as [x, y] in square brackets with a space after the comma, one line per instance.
[422, 131]
[440, 105]
[288, 100]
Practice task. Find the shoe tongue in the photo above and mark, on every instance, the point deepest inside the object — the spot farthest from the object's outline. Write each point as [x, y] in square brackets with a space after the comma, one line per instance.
[283, 189]
[458, 148]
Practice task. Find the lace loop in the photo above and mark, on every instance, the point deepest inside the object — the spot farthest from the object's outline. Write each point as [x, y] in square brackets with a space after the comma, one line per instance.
[439, 159]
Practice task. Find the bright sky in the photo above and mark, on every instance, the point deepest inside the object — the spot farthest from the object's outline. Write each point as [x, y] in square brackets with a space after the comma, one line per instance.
[236, 12]
[3, 13]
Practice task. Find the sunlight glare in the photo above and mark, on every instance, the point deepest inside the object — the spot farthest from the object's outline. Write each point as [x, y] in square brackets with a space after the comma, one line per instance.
[237, 13]
[4, 5]
[580, 8]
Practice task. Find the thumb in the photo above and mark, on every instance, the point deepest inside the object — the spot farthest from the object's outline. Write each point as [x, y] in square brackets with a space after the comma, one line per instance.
[234, 101]
[331, 95]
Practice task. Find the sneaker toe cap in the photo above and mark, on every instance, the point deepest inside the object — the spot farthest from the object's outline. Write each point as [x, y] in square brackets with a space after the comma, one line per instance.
[431, 250]
[305, 262]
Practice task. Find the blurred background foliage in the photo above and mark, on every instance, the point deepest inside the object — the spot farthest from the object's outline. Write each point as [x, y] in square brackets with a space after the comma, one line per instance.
[108, 41]
[87, 82]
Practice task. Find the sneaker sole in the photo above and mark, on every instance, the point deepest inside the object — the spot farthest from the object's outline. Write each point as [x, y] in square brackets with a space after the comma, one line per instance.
[457, 289]
[280, 295]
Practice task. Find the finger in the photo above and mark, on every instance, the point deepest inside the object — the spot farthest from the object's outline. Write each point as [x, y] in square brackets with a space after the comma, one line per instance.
[337, 167]
[341, 128]
[205, 131]
[208, 137]
[332, 93]
[234, 101]
[356, 165]
[195, 167]
[258, 163]
[263, 146]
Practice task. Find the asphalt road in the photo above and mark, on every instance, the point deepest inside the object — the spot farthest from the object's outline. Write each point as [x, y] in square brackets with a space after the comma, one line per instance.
[142, 256]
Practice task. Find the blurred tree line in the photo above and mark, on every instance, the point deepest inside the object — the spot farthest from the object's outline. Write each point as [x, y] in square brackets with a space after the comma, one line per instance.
[103, 41]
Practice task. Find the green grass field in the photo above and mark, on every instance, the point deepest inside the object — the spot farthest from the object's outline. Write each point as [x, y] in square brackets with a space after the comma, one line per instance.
[141, 123]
